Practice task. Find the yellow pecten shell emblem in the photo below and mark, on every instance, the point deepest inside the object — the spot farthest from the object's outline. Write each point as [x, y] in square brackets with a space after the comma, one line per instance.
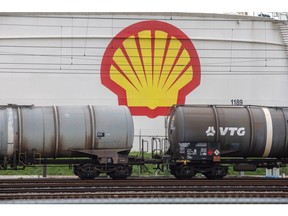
[150, 65]
[148, 81]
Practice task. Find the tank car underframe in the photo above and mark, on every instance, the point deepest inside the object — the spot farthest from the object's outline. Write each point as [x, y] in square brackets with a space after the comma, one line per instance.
[113, 162]
[91, 171]
[186, 169]
[87, 164]
[251, 164]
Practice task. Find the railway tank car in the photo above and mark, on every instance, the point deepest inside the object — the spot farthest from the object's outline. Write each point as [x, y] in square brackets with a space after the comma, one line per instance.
[248, 136]
[104, 134]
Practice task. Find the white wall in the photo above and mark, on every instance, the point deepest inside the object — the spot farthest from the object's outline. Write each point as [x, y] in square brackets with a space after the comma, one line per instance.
[56, 59]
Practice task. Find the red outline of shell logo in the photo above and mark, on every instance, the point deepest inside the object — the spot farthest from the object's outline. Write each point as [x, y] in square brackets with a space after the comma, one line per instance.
[150, 66]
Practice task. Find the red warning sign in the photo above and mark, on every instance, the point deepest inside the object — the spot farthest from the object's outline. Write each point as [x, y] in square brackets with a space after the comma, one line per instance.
[210, 152]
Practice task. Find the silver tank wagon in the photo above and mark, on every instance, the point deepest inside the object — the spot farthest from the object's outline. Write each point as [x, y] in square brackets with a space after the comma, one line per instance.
[104, 133]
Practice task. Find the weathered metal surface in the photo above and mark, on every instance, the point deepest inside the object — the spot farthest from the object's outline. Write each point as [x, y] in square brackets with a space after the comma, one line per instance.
[244, 131]
[54, 131]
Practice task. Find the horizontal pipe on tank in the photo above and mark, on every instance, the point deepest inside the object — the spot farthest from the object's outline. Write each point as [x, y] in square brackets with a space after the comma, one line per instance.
[242, 131]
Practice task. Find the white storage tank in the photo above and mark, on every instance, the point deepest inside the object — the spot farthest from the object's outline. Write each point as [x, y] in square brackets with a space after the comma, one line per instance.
[146, 61]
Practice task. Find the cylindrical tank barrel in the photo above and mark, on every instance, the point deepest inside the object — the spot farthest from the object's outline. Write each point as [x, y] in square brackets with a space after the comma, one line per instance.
[244, 131]
[53, 131]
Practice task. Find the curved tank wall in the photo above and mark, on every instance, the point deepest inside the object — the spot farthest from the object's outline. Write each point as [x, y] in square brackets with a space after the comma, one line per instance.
[250, 131]
[53, 131]
[56, 59]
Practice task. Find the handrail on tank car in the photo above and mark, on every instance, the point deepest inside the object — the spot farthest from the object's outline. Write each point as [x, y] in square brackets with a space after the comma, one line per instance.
[156, 150]
[143, 148]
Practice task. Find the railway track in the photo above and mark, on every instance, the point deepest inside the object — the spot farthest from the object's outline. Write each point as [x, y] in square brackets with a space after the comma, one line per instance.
[35, 189]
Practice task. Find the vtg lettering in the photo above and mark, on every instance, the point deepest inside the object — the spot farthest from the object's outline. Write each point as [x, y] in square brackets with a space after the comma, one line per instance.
[232, 131]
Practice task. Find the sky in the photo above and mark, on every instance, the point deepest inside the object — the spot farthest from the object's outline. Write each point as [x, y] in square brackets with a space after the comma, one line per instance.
[209, 6]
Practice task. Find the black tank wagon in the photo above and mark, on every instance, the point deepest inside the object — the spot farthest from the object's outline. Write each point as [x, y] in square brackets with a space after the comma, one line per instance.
[251, 136]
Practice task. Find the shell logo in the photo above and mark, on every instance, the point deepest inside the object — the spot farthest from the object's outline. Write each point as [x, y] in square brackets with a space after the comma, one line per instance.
[150, 66]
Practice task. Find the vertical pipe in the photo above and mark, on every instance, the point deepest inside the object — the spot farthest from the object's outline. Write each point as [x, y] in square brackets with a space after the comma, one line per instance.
[10, 131]
[56, 130]
[217, 123]
[269, 132]
[20, 129]
[251, 130]
[92, 122]
[44, 170]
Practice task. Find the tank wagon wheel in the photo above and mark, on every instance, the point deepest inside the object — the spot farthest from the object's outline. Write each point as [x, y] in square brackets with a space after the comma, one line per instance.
[121, 172]
[182, 171]
[86, 171]
[216, 172]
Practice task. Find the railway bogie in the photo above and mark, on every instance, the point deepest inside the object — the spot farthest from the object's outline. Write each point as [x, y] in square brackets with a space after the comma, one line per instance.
[91, 171]
[187, 171]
